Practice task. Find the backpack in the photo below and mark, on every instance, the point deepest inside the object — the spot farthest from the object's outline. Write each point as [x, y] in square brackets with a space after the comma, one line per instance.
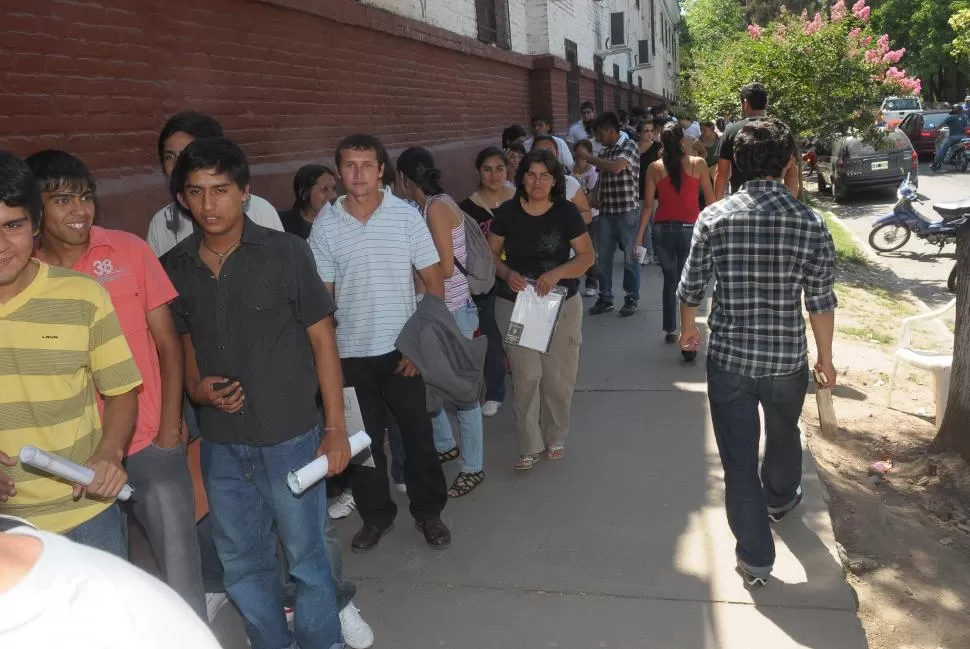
[479, 267]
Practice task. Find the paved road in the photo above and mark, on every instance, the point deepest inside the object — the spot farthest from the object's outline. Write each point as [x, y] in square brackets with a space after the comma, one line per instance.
[623, 544]
[918, 265]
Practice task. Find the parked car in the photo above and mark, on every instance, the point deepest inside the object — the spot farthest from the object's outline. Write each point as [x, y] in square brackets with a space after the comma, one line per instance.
[895, 109]
[847, 164]
[921, 129]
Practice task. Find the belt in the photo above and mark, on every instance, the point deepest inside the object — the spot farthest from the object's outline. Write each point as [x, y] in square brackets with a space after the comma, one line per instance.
[672, 224]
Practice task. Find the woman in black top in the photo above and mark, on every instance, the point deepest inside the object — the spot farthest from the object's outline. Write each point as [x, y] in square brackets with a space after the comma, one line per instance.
[313, 187]
[538, 230]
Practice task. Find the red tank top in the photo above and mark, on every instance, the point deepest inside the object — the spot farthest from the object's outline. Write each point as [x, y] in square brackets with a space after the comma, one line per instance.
[680, 206]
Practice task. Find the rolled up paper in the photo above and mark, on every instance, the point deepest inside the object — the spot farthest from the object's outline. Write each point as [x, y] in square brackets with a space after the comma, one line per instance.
[62, 468]
[302, 479]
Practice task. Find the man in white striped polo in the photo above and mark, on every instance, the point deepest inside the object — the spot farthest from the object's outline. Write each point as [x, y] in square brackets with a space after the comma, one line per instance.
[367, 245]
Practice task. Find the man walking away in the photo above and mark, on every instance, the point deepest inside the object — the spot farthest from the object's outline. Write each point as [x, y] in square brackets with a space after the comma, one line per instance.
[619, 217]
[765, 249]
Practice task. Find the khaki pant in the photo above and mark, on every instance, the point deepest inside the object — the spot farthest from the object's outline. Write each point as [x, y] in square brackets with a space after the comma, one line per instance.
[543, 384]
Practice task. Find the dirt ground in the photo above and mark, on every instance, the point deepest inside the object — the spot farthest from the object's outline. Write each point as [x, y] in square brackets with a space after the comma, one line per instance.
[905, 538]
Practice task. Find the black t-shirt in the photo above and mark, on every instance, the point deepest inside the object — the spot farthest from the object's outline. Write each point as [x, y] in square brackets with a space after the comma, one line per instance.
[727, 152]
[477, 212]
[294, 223]
[537, 244]
[647, 158]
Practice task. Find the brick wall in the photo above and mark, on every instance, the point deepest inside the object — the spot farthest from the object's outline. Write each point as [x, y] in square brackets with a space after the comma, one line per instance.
[100, 78]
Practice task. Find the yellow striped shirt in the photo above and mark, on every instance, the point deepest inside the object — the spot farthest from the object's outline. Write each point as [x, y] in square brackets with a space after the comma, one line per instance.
[60, 340]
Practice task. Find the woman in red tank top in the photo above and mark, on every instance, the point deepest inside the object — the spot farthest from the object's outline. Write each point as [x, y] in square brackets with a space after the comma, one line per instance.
[674, 182]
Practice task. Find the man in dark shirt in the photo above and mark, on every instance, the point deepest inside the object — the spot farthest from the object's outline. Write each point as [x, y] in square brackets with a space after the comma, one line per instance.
[258, 335]
[766, 250]
[956, 121]
[754, 104]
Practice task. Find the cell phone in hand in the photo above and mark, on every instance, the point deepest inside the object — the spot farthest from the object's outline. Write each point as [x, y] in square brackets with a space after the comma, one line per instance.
[222, 385]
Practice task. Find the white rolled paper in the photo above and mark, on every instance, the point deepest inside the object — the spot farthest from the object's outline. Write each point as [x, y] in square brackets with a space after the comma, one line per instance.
[302, 479]
[70, 471]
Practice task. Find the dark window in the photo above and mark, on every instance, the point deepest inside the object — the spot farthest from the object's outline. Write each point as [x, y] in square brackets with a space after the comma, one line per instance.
[643, 49]
[493, 22]
[617, 29]
[572, 81]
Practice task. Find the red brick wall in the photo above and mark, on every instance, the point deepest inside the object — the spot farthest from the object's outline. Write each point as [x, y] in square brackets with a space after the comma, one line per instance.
[100, 78]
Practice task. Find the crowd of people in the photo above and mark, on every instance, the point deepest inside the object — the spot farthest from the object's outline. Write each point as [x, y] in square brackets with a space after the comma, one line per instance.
[243, 325]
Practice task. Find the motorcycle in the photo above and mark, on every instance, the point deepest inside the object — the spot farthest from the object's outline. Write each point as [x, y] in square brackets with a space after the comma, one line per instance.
[892, 232]
[957, 155]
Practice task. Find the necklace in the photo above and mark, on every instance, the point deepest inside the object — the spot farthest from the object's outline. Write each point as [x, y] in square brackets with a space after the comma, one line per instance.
[221, 255]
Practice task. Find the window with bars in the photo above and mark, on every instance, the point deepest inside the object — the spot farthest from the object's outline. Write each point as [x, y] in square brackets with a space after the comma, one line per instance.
[493, 22]
[617, 29]
[643, 52]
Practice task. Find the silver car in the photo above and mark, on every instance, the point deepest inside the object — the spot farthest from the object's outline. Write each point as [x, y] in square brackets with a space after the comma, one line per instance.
[847, 164]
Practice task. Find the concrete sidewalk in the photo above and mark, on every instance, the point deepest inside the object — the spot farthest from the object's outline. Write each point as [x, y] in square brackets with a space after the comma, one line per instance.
[622, 544]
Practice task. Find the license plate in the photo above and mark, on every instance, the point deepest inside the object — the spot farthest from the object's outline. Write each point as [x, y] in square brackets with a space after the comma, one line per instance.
[880, 166]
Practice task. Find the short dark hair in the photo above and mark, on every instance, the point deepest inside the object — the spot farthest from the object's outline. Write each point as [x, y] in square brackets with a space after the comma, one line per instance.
[756, 95]
[221, 155]
[585, 144]
[513, 133]
[637, 111]
[622, 115]
[304, 180]
[362, 142]
[541, 117]
[763, 148]
[656, 110]
[196, 124]
[552, 164]
[490, 152]
[608, 120]
[708, 124]
[544, 138]
[586, 104]
[18, 186]
[55, 170]
[417, 165]
[390, 174]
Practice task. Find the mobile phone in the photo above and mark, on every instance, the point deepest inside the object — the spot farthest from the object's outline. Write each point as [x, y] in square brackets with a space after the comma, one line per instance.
[222, 385]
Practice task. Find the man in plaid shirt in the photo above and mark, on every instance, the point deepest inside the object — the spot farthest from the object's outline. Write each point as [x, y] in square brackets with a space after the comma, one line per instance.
[619, 216]
[765, 249]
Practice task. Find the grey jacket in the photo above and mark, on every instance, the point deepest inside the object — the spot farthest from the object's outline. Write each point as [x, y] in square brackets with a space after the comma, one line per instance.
[450, 364]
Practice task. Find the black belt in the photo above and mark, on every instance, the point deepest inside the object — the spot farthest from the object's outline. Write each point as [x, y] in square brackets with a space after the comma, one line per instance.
[679, 224]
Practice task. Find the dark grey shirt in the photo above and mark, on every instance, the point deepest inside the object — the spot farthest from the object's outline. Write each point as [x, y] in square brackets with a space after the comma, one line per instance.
[250, 325]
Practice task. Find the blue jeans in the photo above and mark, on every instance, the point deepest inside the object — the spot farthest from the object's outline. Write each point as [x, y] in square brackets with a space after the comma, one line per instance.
[106, 531]
[941, 152]
[671, 240]
[247, 493]
[469, 421]
[495, 353]
[618, 230]
[734, 403]
[648, 237]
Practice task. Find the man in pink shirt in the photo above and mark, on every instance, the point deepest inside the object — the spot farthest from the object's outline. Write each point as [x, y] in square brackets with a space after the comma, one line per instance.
[140, 291]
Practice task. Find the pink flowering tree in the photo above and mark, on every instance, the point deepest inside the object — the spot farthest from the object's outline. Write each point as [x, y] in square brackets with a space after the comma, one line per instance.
[824, 74]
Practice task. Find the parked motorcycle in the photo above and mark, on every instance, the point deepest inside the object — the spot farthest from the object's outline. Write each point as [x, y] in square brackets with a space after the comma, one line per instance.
[892, 232]
[957, 155]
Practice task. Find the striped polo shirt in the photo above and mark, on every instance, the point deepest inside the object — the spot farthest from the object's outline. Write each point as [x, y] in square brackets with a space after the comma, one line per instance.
[60, 340]
[370, 265]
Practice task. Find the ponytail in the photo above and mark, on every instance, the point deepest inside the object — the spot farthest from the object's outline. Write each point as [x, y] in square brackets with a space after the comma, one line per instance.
[671, 138]
[417, 165]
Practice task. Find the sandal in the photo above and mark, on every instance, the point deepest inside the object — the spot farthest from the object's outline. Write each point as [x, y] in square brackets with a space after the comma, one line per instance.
[555, 453]
[526, 462]
[448, 456]
[464, 483]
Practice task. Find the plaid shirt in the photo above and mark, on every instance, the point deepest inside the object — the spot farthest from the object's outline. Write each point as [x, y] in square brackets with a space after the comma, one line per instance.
[764, 248]
[619, 192]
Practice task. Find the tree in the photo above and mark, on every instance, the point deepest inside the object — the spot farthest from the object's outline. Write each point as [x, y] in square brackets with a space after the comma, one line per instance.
[762, 12]
[960, 24]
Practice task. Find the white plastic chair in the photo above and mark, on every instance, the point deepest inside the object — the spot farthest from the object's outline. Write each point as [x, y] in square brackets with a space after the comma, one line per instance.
[937, 363]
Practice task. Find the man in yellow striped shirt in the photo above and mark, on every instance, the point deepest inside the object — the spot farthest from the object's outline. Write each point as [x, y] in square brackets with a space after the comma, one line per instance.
[60, 340]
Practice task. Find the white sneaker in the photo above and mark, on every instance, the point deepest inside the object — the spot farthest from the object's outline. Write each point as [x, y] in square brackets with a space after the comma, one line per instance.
[490, 409]
[214, 603]
[357, 633]
[343, 506]
[591, 292]
[400, 486]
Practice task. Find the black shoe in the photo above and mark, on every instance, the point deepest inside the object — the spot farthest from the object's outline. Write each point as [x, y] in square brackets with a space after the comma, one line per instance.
[435, 533]
[630, 306]
[775, 517]
[688, 356]
[671, 337]
[753, 581]
[368, 537]
[601, 306]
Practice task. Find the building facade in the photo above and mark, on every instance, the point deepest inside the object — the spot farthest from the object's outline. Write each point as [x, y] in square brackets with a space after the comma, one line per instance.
[289, 78]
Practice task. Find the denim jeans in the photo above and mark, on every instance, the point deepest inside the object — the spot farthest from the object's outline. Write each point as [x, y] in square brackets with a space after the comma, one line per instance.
[648, 236]
[106, 531]
[950, 141]
[165, 508]
[495, 353]
[247, 492]
[671, 240]
[469, 421]
[618, 230]
[734, 401]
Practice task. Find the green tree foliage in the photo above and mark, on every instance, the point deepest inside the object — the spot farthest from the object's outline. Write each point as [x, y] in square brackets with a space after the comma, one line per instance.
[762, 12]
[960, 24]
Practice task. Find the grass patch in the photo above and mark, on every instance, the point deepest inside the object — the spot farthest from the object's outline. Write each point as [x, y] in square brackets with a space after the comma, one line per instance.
[868, 334]
[847, 251]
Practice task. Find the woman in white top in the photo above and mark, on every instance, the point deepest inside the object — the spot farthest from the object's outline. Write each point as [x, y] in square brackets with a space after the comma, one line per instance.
[418, 180]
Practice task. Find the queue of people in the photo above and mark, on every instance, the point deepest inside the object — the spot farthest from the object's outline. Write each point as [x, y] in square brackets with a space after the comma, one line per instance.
[224, 325]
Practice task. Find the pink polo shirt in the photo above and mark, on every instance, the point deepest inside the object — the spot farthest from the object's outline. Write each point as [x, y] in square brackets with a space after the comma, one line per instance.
[137, 284]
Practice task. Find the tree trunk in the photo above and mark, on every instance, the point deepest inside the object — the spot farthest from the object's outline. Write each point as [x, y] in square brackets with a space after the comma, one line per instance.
[954, 433]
